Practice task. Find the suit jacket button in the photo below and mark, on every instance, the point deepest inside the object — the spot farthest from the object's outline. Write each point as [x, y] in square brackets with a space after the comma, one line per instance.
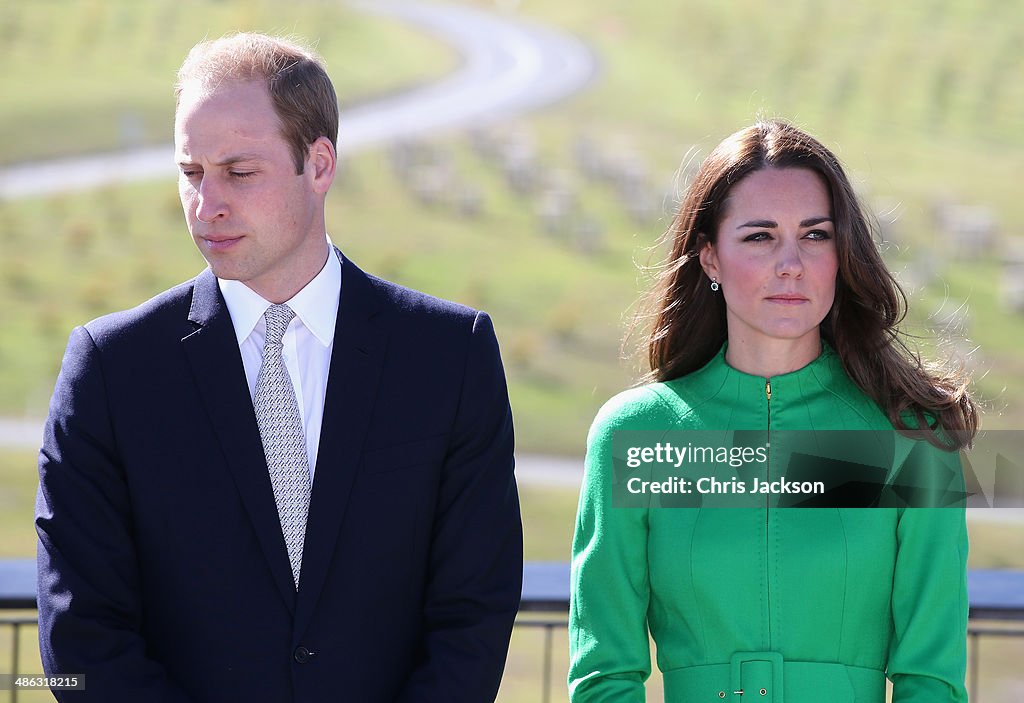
[302, 655]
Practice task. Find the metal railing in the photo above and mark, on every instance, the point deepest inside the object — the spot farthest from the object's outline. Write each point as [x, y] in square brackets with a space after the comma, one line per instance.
[549, 625]
[15, 623]
[996, 605]
[975, 633]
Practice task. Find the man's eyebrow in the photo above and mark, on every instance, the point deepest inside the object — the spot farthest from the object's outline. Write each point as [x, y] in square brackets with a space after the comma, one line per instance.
[228, 161]
[771, 224]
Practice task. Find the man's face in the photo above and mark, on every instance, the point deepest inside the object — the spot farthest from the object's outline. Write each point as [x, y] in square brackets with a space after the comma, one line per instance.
[253, 218]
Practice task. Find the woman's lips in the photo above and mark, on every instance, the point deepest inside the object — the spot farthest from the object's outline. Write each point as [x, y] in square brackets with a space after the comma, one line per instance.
[787, 299]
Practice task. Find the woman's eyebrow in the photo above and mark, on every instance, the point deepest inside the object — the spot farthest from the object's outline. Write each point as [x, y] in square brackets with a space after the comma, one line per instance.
[769, 224]
[811, 221]
[759, 223]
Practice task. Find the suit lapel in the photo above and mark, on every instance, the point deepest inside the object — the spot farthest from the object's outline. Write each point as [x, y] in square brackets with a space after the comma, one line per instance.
[212, 352]
[356, 363]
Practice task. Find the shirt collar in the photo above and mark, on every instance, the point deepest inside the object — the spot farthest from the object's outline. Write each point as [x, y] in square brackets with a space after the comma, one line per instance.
[316, 305]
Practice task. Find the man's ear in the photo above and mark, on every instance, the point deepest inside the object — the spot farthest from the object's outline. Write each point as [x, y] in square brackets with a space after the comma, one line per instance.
[321, 164]
[709, 258]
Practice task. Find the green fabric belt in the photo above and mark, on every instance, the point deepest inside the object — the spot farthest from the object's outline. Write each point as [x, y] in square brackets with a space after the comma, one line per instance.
[765, 678]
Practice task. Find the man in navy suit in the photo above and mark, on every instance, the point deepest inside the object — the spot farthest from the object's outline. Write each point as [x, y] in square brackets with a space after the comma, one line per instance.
[285, 479]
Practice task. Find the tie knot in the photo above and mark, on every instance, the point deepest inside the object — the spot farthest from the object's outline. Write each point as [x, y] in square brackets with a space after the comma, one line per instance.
[277, 318]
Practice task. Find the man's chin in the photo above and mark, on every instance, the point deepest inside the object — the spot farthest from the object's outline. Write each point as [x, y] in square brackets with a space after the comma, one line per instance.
[224, 270]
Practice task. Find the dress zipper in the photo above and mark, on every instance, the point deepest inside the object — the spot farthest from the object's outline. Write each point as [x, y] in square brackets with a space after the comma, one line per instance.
[767, 512]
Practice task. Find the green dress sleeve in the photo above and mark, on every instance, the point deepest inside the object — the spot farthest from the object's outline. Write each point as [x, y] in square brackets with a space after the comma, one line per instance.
[928, 650]
[609, 650]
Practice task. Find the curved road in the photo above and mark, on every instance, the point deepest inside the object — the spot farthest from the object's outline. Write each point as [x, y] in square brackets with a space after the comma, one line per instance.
[509, 66]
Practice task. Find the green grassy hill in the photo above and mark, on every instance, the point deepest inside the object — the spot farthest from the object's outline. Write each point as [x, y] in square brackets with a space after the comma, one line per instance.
[919, 102]
[84, 76]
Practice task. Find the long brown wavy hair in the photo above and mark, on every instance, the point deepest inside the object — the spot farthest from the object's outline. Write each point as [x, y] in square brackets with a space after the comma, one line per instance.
[689, 321]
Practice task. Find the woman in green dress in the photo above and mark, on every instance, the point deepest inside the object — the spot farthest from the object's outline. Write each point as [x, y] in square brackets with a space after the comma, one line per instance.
[774, 312]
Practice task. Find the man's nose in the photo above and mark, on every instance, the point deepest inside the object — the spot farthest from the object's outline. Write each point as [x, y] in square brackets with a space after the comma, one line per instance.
[211, 203]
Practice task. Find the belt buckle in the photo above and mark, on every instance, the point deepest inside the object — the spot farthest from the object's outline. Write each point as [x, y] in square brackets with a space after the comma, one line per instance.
[759, 691]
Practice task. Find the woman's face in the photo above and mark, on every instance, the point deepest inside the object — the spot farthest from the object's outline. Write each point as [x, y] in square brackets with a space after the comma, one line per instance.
[775, 258]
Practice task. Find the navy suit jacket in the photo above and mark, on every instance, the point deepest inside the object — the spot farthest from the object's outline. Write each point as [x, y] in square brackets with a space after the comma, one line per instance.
[163, 574]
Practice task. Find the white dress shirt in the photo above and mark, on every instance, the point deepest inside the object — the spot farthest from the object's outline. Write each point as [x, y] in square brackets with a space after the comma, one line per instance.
[308, 341]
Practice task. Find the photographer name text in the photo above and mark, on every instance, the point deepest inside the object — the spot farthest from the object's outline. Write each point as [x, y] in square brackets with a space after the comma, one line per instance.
[734, 486]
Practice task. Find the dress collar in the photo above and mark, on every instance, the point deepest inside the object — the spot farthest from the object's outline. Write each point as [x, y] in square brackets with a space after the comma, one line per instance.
[822, 371]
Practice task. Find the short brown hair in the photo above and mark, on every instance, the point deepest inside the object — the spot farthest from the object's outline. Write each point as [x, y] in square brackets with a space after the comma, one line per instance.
[300, 90]
[689, 320]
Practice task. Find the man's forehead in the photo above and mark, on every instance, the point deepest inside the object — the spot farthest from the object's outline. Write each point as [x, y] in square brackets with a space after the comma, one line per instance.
[217, 126]
[241, 109]
[241, 95]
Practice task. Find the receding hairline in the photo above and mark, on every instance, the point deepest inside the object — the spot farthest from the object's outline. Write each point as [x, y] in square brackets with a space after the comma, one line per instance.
[242, 56]
[204, 88]
[301, 91]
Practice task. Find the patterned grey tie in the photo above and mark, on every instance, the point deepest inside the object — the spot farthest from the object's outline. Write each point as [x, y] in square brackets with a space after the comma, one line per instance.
[284, 442]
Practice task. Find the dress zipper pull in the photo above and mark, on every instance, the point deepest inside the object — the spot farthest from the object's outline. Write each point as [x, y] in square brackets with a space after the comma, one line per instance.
[768, 388]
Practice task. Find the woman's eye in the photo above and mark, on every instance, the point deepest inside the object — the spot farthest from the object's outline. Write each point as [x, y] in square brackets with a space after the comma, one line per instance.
[757, 237]
[818, 234]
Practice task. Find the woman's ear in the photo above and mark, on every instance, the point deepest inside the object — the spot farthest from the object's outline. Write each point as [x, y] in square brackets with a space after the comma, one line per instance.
[708, 258]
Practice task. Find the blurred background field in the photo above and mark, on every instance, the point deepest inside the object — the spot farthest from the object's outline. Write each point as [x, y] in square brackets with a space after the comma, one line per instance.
[82, 76]
[545, 220]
